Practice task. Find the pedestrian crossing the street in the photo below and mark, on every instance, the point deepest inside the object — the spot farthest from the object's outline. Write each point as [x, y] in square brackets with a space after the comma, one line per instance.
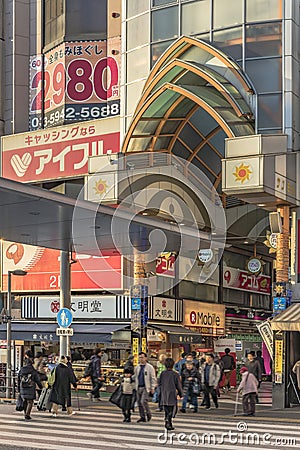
[102, 428]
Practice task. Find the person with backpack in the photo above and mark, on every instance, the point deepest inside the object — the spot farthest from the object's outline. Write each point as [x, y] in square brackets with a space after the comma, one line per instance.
[94, 371]
[227, 365]
[27, 379]
[61, 389]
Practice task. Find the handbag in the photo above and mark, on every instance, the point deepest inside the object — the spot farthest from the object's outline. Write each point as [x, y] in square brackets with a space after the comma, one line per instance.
[20, 403]
[115, 397]
[196, 388]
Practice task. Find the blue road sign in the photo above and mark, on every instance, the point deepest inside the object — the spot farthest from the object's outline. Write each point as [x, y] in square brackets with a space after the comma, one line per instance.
[64, 317]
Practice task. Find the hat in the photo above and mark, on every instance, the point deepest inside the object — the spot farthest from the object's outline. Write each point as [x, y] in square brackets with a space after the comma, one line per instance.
[63, 360]
[243, 369]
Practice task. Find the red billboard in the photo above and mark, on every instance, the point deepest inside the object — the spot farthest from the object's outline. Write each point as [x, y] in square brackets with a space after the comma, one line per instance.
[60, 152]
[75, 81]
[245, 281]
[43, 269]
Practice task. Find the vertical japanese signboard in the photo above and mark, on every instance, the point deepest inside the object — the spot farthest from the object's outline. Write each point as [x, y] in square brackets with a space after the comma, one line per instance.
[75, 81]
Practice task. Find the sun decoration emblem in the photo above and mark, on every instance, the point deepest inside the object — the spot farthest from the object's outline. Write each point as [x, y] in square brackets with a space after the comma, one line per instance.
[100, 187]
[242, 172]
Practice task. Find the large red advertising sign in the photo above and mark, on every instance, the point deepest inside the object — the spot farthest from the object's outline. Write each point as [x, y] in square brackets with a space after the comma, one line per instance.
[75, 81]
[58, 153]
[43, 269]
[244, 281]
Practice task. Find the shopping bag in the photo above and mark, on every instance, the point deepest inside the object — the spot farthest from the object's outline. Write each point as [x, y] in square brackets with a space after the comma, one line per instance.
[115, 397]
[196, 388]
[20, 403]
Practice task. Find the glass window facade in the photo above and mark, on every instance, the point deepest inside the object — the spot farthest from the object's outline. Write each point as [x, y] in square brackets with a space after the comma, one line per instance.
[138, 31]
[54, 20]
[263, 40]
[231, 14]
[165, 23]
[195, 17]
[86, 19]
[138, 64]
[259, 10]
[230, 41]
[135, 7]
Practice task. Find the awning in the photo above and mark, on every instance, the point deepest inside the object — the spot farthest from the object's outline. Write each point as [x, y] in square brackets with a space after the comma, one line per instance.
[86, 333]
[288, 320]
[179, 334]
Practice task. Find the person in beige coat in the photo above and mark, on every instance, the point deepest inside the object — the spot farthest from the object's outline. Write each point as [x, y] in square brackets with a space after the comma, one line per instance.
[248, 385]
[145, 383]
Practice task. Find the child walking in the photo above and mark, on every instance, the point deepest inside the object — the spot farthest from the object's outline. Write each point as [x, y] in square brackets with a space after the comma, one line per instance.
[248, 385]
[127, 386]
[170, 387]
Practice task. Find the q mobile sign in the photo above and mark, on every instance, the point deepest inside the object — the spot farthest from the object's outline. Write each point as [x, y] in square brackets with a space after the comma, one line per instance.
[43, 269]
[75, 81]
[59, 152]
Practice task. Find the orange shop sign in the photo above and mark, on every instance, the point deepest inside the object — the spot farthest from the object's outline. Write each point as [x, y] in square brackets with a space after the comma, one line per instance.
[208, 318]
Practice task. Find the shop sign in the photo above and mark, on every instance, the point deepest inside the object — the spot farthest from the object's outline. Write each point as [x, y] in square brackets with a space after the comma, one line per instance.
[165, 309]
[43, 269]
[221, 344]
[165, 265]
[278, 363]
[279, 304]
[266, 333]
[59, 152]
[205, 255]
[100, 307]
[185, 338]
[254, 265]
[135, 350]
[243, 281]
[208, 318]
[245, 337]
[42, 337]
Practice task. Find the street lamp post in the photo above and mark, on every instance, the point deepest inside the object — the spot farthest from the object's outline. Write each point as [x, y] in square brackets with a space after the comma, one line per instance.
[21, 273]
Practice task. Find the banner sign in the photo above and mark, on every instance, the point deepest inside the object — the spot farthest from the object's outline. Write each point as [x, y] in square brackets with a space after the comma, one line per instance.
[43, 269]
[58, 153]
[244, 281]
[266, 333]
[75, 81]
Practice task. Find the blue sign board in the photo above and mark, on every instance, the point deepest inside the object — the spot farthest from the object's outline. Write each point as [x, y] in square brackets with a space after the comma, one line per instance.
[136, 304]
[279, 304]
[64, 317]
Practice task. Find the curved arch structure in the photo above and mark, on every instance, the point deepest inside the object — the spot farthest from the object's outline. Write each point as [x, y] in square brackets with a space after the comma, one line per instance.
[195, 97]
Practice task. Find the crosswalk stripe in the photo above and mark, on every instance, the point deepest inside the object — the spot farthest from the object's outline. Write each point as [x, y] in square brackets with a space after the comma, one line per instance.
[80, 432]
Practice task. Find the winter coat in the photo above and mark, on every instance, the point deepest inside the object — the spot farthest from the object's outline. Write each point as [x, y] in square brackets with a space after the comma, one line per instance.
[214, 375]
[248, 384]
[61, 390]
[255, 368]
[29, 393]
[150, 378]
[227, 362]
[169, 384]
[96, 366]
[185, 374]
[261, 361]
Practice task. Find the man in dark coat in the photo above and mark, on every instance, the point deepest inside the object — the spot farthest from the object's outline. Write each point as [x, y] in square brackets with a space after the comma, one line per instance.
[61, 391]
[189, 377]
[27, 379]
[170, 387]
[94, 395]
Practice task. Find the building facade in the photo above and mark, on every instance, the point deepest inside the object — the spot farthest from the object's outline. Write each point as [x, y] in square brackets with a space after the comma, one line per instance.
[172, 77]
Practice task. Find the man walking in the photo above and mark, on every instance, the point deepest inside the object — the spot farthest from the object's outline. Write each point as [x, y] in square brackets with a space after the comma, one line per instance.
[254, 367]
[145, 382]
[210, 376]
[95, 363]
[228, 365]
